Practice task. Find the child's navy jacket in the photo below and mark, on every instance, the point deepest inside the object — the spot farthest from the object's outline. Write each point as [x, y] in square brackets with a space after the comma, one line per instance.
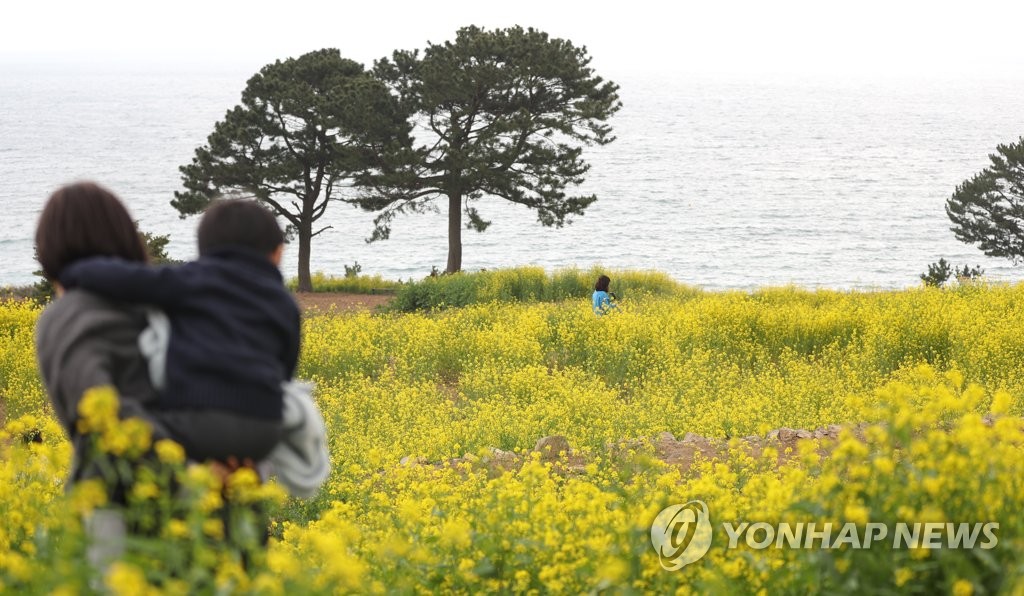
[234, 326]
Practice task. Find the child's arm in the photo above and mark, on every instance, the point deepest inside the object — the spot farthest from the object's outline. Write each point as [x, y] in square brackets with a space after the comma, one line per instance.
[117, 279]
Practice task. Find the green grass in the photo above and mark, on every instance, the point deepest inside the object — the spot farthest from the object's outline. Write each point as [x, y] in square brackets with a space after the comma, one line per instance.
[359, 284]
[530, 284]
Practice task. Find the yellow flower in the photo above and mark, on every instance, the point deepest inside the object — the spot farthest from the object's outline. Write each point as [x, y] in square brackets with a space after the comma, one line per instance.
[1001, 402]
[231, 577]
[169, 452]
[522, 579]
[243, 485]
[283, 563]
[214, 528]
[902, 576]
[87, 495]
[177, 528]
[884, 464]
[97, 409]
[131, 437]
[856, 513]
[17, 566]
[933, 485]
[210, 501]
[962, 587]
[201, 476]
[266, 583]
[126, 579]
[956, 378]
[614, 569]
[456, 533]
[145, 490]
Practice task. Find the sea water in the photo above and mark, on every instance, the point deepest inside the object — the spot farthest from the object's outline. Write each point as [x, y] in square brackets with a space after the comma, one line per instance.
[723, 183]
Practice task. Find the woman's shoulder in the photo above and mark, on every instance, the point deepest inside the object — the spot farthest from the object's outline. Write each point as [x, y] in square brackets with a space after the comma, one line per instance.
[76, 301]
[78, 308]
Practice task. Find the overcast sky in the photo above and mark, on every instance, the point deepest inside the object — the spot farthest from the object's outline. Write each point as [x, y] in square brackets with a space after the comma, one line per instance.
[890, 37]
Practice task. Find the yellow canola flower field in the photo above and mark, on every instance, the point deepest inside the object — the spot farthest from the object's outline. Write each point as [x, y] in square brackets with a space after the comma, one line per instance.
[420, 407]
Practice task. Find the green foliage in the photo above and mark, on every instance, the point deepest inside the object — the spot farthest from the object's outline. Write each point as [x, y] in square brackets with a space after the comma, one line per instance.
[306, 128]
[353, 270]
[41, 291]
[988, 209]
[352, 284]
[937, 274]
[156, 248]
[965, 273]
[940, 273]
[505, 114]
[528, 284]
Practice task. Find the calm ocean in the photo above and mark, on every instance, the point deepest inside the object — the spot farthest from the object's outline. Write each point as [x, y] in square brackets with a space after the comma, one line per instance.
[720, 183]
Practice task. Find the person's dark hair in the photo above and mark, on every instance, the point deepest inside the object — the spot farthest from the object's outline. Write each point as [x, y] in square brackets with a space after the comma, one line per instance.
[239, 223]
[85, 220]
[602, 283]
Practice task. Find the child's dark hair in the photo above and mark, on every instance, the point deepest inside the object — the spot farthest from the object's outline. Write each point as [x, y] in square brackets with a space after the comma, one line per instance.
[239, 223]
[85, 220]
[602, 283]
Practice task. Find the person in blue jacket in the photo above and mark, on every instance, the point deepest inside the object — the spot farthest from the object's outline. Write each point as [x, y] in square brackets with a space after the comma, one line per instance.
[602, 299]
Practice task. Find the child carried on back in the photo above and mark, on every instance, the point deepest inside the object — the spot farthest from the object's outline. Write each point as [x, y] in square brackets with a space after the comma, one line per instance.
[234, 333]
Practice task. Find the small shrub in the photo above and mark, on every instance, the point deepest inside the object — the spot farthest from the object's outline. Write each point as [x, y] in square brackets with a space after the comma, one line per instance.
[156, 248]
[940, 273]
[353, 270]
[937, 274]
[966, 273]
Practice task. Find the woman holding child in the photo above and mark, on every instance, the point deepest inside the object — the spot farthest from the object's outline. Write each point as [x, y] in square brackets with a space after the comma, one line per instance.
[234, 328]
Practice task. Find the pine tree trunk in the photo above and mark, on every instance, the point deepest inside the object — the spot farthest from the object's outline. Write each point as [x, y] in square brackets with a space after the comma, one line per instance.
[305, 242]
[454, 233]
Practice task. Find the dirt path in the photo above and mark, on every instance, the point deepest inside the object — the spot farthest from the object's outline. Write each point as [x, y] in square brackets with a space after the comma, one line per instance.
[322, 302]
[681, 453]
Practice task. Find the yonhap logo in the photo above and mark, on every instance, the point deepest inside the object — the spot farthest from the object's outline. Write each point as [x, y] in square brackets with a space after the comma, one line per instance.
[681, 534]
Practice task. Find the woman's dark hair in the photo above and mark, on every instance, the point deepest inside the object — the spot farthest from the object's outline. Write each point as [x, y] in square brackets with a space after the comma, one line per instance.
[602, 283]
[85, 220]
[239, 222]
